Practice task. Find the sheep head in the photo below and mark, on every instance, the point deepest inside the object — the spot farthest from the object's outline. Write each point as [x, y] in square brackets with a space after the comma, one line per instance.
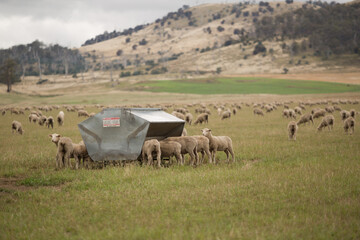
[55, 137]
[206, 132]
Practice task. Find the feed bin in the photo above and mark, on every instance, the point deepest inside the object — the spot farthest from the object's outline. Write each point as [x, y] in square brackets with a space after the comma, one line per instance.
[119, 133]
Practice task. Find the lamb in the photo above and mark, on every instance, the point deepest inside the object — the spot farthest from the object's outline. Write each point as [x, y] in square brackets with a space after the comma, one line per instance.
[258, 111]
[319, 113]
[178, 115]
[219, 143]
[328, 121]
[306, 118]
[50, 122]
[203, 117]
[349, 124]
[203, 147]
[292, 129]
[344, 115]
[188, 118]
[80, 152]
[150, 147]
[16, 127]
[83, 113]
[65, 148]
[169, 149]
[188, 145]
[226, 114]
[60, 118]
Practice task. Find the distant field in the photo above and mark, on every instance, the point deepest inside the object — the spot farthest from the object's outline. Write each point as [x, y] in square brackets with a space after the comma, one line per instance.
[246, 85]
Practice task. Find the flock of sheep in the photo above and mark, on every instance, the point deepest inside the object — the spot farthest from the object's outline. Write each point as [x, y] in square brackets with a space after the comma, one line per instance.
[155, 151]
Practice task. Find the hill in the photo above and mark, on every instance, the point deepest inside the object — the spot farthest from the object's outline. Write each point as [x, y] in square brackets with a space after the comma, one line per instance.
[229, 38]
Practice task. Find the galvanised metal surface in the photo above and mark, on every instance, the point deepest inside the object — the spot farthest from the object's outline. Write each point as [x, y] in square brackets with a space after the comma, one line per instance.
[119, 133]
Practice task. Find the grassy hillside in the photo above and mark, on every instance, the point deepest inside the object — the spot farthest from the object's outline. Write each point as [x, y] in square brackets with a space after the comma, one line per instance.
[277, 189]
[246, 85]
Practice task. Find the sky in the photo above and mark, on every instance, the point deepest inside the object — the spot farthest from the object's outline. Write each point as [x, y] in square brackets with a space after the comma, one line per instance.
[71, 22]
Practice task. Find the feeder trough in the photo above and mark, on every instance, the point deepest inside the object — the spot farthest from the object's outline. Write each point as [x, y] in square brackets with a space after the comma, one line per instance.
[119, 133]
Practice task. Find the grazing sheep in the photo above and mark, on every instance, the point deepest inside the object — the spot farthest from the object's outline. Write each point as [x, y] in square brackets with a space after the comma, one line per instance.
[92, 114]
[42, 120]
[292, 113]
[203, 117]
[83, 113]
[352, 113]
[315, 110]
[349, 124]
[16, 127]
[226, 114]
[234, 111]
[330, 109]
[307, 117]
[181, 110]
[188, 118]
[150, 147]
[219, 143]
[188, 145]
[203, 147]
[169, 149]
[292, 129]
[298, 110]
[60, 118]
[50, 122]
[319, 113]
[328, 121]
[344, 115]
[285, 113]
[258, 111]
[178, 115]
[33, 118]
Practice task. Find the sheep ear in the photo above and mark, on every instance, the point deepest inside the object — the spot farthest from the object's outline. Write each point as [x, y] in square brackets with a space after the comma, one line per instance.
[59, 135]
[50, 135]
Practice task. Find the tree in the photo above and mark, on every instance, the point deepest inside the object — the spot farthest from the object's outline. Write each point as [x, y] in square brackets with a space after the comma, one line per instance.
[8, 73]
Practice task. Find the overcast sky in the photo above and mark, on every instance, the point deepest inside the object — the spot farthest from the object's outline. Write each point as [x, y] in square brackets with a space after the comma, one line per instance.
[71, 22]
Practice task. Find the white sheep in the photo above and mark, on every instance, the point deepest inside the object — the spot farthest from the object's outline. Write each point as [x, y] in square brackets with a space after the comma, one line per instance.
[307, 117]
[202, 118]
[225, 114]
[169, 149]
[292, 129]
[319, 113]
[151, 146]
[349, 124]
[16, 127]
[60, 118]
[258, 111]
[188, 145]
[327, 121]
[188, 118]
[83, 113]
[178, 115]
[203, 146]
[219, 143]
[50, 122]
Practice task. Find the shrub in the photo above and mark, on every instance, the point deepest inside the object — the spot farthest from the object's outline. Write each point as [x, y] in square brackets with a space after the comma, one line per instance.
[125, 74]
[259, 48]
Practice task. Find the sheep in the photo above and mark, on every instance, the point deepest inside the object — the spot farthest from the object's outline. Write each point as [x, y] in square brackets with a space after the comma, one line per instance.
[219, 143]
[298, 110]
[315, 110]
[181, 110]
[344, 115]
[151, 146]
[285, 113]
[50, 122]
[352, 113]
[178, 115]
[292, 113]
[234, 111]
[329, 109]
[337, 108]
[203, 147]
[188, 118]
[3, 112]
[203, 117]
[188, 145]
[328, 121]
[292, 129]
[349, 124]
[42, 120]
[92, 114]
[16, 127]
[258, 111]
[33, 118]
[219, 110]
[319, 113]
[60, 118]
[306, 118]
[83, 113]
[77, 151]
[226, 114]
[169, 149]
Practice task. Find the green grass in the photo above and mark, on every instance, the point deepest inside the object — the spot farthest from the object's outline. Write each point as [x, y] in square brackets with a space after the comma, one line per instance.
[277, 189]
[246, 85]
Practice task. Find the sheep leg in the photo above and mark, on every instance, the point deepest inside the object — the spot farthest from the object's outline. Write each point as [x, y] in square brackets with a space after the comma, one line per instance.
[143, 155]
[77, 160]
[158, 158]
[182, 159]
[213, 156]
[192, 157]
[232, 154]
[227, 155]
[209, 155]
[202, 156]
[178, 157]
[150, 159]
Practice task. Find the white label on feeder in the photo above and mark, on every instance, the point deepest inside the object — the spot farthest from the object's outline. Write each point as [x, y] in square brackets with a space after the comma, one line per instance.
[111, 122]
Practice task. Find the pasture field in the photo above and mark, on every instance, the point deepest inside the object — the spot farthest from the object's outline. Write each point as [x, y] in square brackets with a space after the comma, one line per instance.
[276, 189]
[245, 85]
